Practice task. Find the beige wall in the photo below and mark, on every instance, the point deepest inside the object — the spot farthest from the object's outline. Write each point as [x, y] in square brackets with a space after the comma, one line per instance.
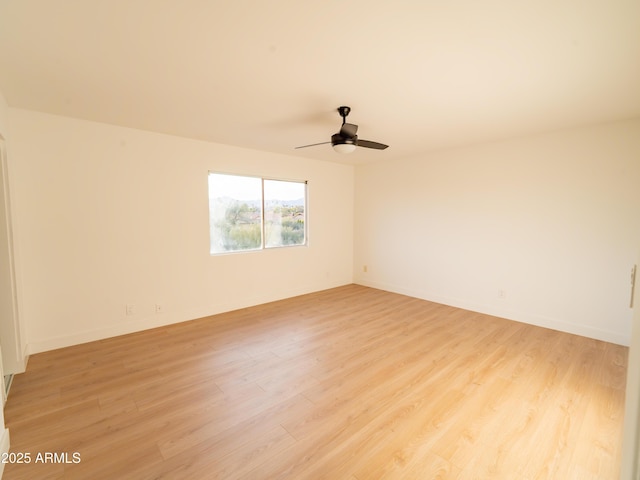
[552, 221]
[111, 216]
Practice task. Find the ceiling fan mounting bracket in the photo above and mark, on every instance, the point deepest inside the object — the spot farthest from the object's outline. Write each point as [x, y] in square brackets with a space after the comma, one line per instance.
[344, 111]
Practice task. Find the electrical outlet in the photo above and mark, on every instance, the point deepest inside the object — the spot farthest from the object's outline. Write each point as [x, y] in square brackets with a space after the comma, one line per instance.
[130, 309]
[502, 294]
[159, 308]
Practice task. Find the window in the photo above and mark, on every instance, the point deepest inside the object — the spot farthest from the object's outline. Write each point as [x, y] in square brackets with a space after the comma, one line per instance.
[252, 213]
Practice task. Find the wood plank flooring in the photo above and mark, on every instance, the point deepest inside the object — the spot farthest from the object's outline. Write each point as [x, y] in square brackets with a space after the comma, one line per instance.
[350, 383]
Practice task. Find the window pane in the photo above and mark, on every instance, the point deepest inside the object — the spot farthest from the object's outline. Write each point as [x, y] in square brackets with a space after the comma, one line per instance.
[284, 215]
[235, 213]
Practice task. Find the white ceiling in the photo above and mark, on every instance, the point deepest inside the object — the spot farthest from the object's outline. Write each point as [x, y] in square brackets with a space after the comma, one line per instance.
[269, 75]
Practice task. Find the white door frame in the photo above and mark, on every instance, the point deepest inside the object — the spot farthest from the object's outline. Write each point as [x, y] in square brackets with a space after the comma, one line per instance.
[10, 332]
[630, 468]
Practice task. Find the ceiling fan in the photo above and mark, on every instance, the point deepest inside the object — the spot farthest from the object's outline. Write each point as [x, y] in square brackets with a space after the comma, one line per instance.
[346, 140]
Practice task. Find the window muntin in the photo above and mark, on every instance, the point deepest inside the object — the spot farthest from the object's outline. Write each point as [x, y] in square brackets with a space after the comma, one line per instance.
[252, 213]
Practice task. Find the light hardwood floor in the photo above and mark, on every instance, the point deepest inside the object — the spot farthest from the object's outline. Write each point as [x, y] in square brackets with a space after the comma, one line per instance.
[349, 383]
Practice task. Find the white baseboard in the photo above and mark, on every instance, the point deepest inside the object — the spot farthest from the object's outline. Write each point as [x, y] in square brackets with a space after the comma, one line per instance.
[517, 316]
[4, 447]
[169, 318]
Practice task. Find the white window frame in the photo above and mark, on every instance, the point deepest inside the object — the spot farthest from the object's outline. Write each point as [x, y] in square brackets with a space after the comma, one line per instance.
[263, 241]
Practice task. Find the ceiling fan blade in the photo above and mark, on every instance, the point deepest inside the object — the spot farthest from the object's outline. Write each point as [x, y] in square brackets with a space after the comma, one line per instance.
[370, 144]
[348, 130]
[312, 145]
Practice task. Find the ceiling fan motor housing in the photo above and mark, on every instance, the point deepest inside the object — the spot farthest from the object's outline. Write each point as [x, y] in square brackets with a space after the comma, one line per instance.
[337, 139]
